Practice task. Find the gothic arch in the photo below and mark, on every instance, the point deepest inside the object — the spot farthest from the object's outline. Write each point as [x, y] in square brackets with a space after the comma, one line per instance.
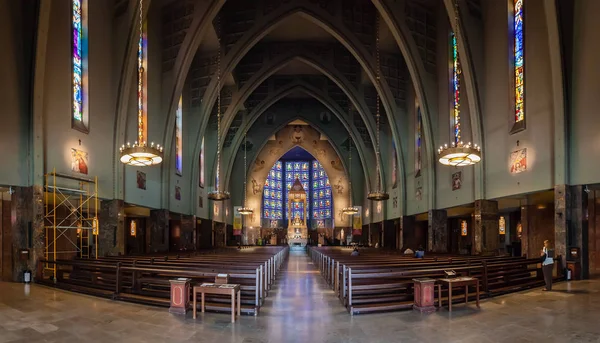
[344, 36]
[424, 88]
[307, 138]
[313, 92]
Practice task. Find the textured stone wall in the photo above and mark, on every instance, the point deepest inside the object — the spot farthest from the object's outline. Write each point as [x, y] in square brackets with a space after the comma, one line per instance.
[158, 227]
[111, 237]
[569, 207]
[437, 238]
[485, 228]
[27, 229]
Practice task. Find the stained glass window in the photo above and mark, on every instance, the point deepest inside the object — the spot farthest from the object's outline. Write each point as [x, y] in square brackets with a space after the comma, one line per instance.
[315, 182]
[519, 62]
[321, 193]
[418, 142]
[296, 170]
[272, 193]
[201, 165]
[178, 139]
[394, 166]
[78, 26]
[455, 89]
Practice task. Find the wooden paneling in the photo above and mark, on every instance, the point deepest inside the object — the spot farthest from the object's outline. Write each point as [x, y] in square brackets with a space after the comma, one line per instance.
[594, 234]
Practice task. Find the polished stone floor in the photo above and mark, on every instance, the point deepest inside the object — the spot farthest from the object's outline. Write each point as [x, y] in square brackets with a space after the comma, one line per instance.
[301, 308]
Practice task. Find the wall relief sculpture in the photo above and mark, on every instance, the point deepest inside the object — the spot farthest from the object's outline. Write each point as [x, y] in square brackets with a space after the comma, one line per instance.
[337, 165]
[339, 187]
[297, 135]
[256, 187]
[258, 165]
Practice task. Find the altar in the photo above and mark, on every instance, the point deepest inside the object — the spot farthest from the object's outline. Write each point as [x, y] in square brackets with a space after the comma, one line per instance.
[297, 235]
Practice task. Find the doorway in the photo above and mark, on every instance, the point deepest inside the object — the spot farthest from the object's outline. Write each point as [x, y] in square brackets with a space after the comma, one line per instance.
[135, 235]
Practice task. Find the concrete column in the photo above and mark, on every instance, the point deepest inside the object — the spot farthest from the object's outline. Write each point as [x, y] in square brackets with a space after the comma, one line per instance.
[27, 229]
[158, 228]
[485, 230]
[437, 229]
[111, 236]
[569, 205]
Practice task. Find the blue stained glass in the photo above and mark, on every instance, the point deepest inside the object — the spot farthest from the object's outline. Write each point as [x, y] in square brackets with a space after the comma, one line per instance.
[272, 204]
[519, 62]
[77, 61]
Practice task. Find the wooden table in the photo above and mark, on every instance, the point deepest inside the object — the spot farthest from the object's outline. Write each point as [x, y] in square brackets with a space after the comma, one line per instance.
[226, 289]
[464, 281]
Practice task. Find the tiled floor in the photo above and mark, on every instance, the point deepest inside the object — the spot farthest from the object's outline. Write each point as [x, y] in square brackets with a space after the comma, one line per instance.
[301, 308]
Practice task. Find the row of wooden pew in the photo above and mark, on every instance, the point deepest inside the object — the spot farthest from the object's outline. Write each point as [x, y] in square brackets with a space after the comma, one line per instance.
[145, 279]
[375, 281]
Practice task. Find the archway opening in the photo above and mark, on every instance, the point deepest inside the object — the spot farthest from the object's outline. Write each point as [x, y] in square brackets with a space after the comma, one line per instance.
[280, 210]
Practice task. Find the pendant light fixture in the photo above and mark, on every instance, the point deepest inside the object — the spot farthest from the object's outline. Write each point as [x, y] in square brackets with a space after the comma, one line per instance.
[378, 194]
[245, 210]
[351, 209]
[140, 154]
[457, 154]
[218, 194]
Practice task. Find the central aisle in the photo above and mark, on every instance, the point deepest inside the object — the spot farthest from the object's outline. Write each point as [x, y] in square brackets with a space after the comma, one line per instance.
[301, 306]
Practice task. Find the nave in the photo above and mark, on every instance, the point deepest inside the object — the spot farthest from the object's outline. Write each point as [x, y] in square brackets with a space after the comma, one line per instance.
[301, 308]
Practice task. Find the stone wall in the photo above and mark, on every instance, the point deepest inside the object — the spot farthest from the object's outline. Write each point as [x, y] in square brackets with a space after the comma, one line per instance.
[111, 236]
[158, 229]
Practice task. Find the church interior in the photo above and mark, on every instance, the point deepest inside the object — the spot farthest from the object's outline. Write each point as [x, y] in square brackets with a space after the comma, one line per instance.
[318, 170]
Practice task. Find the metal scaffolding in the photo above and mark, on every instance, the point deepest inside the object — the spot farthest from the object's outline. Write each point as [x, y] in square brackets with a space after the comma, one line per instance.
[71, 205]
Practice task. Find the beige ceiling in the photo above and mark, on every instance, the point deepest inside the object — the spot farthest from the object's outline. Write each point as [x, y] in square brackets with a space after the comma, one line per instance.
[298, 28]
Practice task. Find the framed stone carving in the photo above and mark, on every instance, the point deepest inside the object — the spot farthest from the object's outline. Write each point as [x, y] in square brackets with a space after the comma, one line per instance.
[456, 180]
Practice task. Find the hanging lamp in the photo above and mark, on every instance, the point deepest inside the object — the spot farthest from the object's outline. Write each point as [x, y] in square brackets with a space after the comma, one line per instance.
[458, 154]
[351, 209]
[245, 210]
[378, 194]
[218, 194]
[139, 154]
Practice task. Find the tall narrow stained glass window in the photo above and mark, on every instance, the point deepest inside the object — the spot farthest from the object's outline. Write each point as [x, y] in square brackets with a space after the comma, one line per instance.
[519, 62]
[142, 66]
[201, 165]
[394, 166]
[456, 71]
[179, 139]
[321, 192]
[272, 193]
[79, 51]
[296, 170]
[418, 139]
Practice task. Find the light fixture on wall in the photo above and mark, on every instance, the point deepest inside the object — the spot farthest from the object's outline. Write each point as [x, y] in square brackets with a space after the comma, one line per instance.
[245, 210]
[457, 154]
[350, 210]
[218, 194]
[378, 194]
[139, 154]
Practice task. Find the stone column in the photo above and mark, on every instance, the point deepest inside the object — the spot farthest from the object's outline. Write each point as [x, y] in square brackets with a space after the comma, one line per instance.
[27, 229]
[111, 236]
[158, 228]
[569, 205]
[485, 230]
[437, 228]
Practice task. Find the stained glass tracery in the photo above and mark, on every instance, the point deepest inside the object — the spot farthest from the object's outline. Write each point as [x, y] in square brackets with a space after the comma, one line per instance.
[315, 182]
[456, 71]
[77, 60]
[142, 63]
[272, 193]
[418, 142]
[179, 139]
[519, 62]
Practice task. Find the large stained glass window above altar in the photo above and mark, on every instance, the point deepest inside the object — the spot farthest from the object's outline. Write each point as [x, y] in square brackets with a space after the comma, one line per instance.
[314, 181]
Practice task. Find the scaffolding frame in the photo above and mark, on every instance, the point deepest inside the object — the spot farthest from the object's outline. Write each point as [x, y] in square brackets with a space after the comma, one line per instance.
[79, 196]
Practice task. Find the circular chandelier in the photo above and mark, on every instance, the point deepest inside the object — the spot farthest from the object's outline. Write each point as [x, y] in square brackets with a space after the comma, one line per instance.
[218, 194]
[140, 154]
[459, 155]
[245, 210]
[378, 194]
